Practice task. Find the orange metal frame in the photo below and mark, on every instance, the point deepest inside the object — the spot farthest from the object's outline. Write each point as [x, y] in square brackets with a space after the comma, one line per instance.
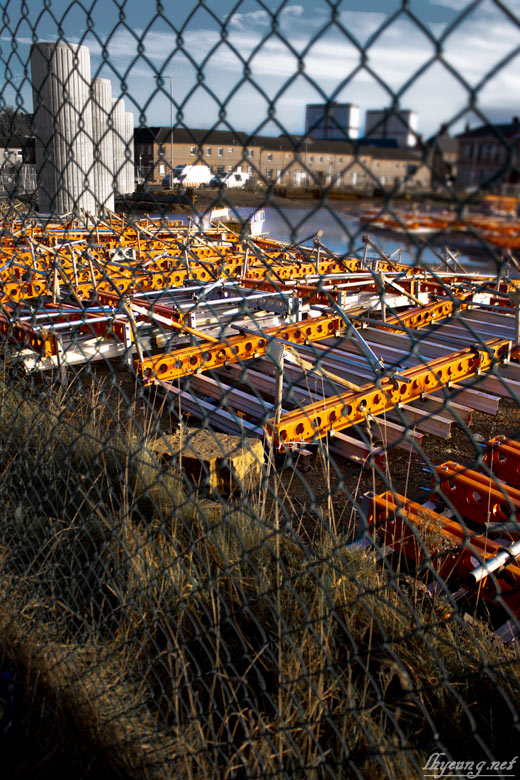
[422, 316]
[476, 496]
[182, 362]
[337, 413]
[503, 458]
[421, 534]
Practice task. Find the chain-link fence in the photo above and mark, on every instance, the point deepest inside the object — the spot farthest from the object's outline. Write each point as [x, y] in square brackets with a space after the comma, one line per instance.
[259, 397]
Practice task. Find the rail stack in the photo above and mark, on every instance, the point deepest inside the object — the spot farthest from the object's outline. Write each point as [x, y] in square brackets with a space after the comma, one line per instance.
[331, 344]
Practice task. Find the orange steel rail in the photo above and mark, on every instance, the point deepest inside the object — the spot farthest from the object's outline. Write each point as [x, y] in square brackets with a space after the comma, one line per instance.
[26, 337]
[425, 536]
[337, 413]
[43, 341]
[423, 316]
[503, 458]
[477, 497]
[183, 362]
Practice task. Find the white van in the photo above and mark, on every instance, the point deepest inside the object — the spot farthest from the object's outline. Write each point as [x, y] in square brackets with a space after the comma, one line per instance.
[189, 176]
[231, 179]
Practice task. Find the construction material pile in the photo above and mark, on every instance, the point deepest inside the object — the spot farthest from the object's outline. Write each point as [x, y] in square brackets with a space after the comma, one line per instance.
[465, 541]
[174, 301]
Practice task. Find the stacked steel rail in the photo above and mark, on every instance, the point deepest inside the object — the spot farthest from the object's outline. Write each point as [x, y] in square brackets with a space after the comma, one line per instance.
[179, 301]
[471, 547]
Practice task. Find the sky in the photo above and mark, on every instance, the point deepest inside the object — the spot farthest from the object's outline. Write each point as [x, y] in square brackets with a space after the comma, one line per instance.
[253, 65]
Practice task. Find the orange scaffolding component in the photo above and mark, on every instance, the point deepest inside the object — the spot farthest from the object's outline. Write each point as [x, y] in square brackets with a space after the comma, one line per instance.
[503, 458]
[477, 497]
[450, 549]
[423, 316]
[182, 362]
[22, 334]
[337, 413]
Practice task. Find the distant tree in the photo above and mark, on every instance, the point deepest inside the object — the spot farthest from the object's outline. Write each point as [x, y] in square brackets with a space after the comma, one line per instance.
[14, 123]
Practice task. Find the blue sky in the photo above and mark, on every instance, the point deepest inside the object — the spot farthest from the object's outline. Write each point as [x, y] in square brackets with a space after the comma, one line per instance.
[256, 64]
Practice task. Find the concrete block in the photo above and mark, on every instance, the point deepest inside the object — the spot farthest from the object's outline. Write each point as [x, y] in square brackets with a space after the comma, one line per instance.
[223, 463]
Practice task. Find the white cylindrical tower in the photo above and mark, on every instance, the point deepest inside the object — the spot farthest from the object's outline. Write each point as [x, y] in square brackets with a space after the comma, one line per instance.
[63, 127]
[118, 145]
[129, 152]
[103, 147]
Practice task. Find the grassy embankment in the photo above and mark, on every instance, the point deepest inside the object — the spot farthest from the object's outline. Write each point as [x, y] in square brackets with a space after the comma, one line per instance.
[153, 633]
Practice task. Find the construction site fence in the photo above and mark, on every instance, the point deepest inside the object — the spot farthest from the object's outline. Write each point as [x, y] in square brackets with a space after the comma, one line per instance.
[260, 445]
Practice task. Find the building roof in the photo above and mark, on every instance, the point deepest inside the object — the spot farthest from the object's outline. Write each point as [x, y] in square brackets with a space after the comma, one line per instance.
[387, 143]
[444, 143]
[508, 130]
[185, 135]
[298, 144]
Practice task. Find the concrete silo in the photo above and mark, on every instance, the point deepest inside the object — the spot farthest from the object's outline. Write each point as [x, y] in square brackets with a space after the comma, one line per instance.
[118, 145]
[103, 144]
[129, 152]
[63, 127]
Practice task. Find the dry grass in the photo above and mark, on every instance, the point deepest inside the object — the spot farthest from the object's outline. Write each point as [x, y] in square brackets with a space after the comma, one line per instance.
[154, 634]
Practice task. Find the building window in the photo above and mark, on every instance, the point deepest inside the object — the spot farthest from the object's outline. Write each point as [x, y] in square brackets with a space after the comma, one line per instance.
[320, 159]
[250, 169]
[250, 152]
[492, 151]
[193, 151]
[230, 167]
[208, 151]
[484, 152]
[162, 150]
[467, 151]
[311, 158]
[329, 157]
[230, 151]
[270, 156]
[287, 155]
[340, 159]
[269, 173]
[220, 151]
[162, 170]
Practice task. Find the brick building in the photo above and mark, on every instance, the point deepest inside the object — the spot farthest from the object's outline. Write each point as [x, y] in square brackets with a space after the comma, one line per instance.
[287, 161]
[489, 158]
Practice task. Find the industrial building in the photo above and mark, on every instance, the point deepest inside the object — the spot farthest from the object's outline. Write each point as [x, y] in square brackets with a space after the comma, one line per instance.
[332, 121]
[397, 125]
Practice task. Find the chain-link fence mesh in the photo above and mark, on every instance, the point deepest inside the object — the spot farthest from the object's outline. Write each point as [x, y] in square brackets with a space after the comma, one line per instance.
[259, 397]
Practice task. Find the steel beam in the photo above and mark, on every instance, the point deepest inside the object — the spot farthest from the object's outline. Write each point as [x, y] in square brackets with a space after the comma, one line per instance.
[447, 547]
[318, 419]
[503, 459]
[476, 496]
[183, 362]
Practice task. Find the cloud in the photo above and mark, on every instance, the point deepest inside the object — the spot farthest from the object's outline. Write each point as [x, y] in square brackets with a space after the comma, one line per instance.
[453, 5]
[251, 19]
[330, 57]
[362, 24]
